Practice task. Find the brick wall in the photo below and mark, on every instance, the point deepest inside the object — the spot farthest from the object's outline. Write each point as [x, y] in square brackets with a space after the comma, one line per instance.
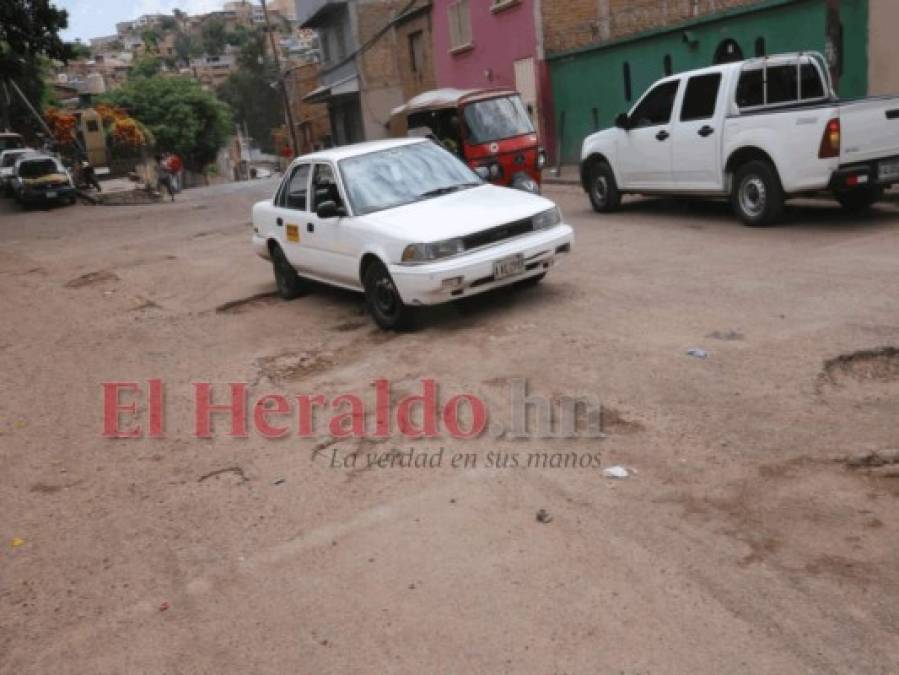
[378, 62]
[568, 24]
[423, 78]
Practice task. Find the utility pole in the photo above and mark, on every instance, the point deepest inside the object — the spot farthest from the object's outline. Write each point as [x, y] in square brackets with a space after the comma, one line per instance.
[288, 114]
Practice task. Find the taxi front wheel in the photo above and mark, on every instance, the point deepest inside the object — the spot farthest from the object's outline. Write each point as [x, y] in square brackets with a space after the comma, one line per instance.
[383, 300]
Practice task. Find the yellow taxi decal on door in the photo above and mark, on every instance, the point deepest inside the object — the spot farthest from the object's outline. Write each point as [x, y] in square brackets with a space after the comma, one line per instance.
[293, 232]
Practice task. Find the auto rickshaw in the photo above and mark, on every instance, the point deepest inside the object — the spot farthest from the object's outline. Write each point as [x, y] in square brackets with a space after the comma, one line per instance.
[489, 129]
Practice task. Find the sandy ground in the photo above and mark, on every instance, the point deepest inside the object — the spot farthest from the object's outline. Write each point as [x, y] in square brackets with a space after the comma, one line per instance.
[740, 546]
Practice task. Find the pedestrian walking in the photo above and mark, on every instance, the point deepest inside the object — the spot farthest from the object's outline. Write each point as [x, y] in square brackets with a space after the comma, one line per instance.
[164, 178]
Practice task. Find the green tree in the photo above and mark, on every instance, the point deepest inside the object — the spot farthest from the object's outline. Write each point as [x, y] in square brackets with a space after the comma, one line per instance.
[182, 116]
[146, 66]
[151, 40]
[29, 32]
[186, 46]
[80, 50]
[213, 34]
[249, 93]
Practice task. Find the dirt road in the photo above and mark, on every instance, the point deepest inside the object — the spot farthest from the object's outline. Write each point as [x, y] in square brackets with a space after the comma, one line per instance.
[740, 545]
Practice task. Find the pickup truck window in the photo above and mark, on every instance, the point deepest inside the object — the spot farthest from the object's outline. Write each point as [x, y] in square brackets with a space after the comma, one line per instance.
[293, 196]
[700, 97]
[812, 86]
[655, 108]
[783, 86]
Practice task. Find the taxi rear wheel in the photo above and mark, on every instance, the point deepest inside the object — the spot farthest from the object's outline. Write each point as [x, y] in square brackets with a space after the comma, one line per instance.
[383, 299]
[290, 284]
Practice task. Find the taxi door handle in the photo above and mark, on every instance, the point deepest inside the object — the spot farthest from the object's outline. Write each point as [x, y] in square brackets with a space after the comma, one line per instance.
[310, 227]
[662, 135]
[279, 222]
[706, 131]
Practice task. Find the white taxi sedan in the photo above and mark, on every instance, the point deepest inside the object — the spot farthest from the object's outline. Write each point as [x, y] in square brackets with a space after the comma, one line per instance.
[407, 223]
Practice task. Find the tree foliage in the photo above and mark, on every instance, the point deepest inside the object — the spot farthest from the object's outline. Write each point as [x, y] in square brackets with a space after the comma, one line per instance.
[29, 33]
[151, 40]
[249, 93]
[214, 36]
[187, 46]
[181, 116]
[80, 50]
[146, 66]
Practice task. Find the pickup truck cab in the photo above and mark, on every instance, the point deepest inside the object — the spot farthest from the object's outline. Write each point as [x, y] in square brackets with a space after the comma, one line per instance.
[756, 131]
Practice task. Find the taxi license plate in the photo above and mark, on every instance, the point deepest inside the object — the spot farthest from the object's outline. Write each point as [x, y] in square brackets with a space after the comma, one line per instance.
[888, 170]
[51, 194]
[508, 267]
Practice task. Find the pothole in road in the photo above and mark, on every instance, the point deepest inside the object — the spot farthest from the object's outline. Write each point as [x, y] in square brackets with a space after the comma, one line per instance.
[350, 325]
[613, 421]
[866, 365]
[92, 278]
[234, 473]
[287, 367]
[236, 306]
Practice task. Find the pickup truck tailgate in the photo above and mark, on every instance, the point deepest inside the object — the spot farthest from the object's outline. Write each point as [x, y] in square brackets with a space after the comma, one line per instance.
[869, 129]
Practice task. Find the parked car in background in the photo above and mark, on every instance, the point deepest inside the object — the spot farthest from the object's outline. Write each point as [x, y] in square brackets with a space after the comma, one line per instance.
[7, 166]
[11, 141]
[41, 179]
[489, 129]
[757, 131]
[405, 222]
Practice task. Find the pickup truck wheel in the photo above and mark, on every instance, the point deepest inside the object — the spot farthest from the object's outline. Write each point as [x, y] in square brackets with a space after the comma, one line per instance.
[603, 190]
[290, 285]
[757, 196]
[383, 300]
[860, 199]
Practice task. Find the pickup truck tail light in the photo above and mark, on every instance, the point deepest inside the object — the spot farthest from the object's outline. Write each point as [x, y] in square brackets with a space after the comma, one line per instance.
[830, 142]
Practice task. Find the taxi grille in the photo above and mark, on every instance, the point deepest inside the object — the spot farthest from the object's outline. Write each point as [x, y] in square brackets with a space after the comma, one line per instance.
[499, 233]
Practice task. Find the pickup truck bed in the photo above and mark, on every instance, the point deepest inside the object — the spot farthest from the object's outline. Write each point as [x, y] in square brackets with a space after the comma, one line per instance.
[870, 127]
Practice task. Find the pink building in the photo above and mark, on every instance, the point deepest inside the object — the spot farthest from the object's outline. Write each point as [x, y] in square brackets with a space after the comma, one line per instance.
[494, 43]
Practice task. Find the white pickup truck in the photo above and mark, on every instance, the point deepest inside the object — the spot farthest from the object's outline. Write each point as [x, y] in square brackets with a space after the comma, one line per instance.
[756, 131]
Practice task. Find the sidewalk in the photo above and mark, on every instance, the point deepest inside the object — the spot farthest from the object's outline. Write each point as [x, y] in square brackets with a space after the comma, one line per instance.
[568, 175]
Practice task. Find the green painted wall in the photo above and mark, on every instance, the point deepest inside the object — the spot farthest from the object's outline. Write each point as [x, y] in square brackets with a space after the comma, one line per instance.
[854, 17]
[593, 78]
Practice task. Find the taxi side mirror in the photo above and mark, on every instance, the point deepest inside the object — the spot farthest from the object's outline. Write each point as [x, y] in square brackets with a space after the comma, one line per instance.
[329, 209]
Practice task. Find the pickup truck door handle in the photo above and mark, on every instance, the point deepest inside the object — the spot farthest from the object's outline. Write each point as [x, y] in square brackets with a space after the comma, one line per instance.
[662, 135]
[706, 131]
[279, 222]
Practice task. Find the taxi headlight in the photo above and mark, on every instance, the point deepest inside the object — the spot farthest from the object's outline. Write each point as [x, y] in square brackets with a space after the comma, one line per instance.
[549, 218]
[435, 250]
